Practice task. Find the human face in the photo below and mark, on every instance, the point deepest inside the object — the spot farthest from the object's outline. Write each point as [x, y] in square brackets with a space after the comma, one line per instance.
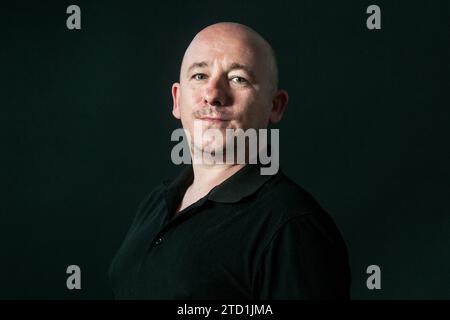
[224, 84]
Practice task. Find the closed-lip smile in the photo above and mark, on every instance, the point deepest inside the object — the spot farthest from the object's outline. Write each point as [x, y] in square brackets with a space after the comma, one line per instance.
[213, 119]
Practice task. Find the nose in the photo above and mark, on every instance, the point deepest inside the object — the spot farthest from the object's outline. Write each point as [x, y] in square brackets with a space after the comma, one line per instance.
[216, 93]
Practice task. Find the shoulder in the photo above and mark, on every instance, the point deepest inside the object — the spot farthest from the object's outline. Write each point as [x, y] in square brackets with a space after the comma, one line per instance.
[152, 196]
[289, 208]
[288, 199]
[149, 202]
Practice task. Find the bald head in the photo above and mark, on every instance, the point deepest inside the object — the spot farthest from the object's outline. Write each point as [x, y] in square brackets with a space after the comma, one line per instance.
[228, 35]
[228, 80]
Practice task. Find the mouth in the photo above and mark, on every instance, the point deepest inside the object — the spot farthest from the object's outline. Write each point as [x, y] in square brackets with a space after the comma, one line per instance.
[213, 119]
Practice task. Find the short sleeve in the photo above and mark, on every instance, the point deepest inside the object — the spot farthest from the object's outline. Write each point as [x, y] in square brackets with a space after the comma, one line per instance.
[305, 259]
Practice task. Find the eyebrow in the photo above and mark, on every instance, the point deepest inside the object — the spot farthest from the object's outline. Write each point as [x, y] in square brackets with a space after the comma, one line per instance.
[197, 65]
[238, 66]
[234, 66]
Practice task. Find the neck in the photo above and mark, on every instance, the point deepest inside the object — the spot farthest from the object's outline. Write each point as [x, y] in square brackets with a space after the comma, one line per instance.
[207, 177]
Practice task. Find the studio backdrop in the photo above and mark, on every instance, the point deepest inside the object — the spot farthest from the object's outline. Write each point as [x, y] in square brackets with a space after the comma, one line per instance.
[86, 123]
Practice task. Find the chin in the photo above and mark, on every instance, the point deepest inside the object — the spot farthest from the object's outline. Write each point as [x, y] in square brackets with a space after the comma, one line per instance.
[213, 149]
[209, 151]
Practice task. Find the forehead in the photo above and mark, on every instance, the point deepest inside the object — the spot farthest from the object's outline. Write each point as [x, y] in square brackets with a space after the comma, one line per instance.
[223, 50]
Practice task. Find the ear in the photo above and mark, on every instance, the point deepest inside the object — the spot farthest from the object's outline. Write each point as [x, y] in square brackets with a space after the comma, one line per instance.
[176, 99]
[279, 103]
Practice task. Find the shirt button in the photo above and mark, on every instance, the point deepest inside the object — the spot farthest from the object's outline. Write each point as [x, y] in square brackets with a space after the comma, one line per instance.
[158, 241]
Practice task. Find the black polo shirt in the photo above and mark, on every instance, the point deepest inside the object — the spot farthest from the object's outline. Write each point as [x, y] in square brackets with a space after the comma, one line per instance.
[251, 237]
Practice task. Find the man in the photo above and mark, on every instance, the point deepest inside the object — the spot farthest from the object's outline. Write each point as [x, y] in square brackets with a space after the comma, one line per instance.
[224, 230]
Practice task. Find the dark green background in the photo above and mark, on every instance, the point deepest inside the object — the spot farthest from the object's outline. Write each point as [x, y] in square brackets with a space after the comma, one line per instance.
[86, 122]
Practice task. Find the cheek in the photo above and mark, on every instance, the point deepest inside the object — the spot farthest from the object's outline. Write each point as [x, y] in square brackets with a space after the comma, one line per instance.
[251, 111]
[192, 94]
[244, 102]
[186, 102]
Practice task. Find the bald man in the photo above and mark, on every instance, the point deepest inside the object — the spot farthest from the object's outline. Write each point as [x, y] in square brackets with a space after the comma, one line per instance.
[223, 230]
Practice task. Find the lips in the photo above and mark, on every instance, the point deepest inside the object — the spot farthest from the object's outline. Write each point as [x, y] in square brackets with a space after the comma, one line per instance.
[213, 119]
[210, 114]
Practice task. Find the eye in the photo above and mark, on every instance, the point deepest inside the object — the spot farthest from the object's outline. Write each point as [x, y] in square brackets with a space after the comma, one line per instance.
[239, 80]
[199, 76]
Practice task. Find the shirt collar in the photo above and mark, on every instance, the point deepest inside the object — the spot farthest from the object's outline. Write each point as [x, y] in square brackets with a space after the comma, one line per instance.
[241, 184]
